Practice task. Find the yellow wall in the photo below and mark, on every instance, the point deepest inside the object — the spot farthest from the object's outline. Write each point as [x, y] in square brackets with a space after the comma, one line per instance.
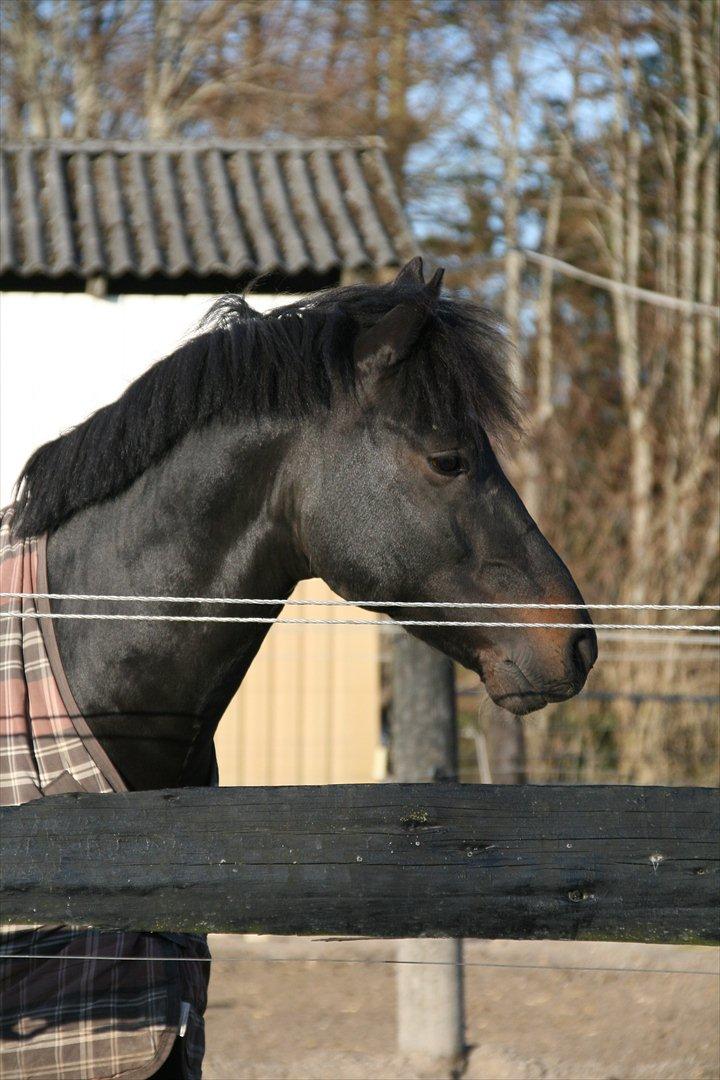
[308, 711]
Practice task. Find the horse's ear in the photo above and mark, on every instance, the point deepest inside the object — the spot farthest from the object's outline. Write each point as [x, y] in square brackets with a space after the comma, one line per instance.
[392, 338]
[411, 273]
[435, 283]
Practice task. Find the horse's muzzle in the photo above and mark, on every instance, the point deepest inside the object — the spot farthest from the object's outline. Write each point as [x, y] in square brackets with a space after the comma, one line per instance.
[523, 683]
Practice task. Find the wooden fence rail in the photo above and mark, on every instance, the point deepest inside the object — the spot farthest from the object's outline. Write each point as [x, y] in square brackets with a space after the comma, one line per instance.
[387, 860]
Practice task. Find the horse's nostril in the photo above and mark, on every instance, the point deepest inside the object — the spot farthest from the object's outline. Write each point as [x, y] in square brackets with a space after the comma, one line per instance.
[585, 650]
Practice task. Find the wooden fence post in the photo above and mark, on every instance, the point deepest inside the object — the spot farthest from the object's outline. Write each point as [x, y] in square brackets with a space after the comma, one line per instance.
[506, 745]
[430, 1002]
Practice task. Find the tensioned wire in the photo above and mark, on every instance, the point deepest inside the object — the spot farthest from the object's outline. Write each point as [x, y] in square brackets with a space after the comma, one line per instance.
[259, 620]
[357, 622]
[353, 960]
[337, 602]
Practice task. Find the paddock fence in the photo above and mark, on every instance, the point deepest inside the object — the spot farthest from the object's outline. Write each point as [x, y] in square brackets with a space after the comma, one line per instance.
[587, 862]
[386, 860]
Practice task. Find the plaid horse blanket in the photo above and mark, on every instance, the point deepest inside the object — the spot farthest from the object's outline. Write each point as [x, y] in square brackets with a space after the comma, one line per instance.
[116, 1011]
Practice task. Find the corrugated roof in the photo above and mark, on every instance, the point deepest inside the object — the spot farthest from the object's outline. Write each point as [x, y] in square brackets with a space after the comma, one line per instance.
[168, 210]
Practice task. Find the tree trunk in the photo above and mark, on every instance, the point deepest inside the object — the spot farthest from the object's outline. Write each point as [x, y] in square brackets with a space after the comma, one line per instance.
[397, 81]
[688, 214]
[424, 747]
[373, 24]
[710, 15]
[624, 227]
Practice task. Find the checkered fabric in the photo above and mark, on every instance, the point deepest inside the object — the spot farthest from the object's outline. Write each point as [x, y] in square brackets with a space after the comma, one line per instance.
[40, 743]
[117, 1011]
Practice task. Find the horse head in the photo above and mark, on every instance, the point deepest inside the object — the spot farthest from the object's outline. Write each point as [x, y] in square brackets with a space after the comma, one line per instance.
[400, 495]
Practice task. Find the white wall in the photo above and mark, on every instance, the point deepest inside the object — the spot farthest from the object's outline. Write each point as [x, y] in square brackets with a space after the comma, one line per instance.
[63, 355]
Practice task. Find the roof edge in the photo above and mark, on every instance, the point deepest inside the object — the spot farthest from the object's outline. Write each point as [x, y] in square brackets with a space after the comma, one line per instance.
[124, 146]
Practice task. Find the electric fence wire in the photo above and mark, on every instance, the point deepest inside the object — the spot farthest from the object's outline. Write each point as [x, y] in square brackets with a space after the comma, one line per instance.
[358, 960]
[338, 602]
[259, 620]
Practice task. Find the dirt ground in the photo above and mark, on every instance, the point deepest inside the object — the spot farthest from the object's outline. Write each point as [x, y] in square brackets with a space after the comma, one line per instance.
[306, 1019]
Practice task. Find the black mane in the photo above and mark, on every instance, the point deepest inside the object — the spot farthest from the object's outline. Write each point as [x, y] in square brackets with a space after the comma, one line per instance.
[242, 363]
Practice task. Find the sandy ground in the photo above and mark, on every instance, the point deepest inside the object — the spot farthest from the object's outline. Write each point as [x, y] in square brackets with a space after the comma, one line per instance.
[306, 1019]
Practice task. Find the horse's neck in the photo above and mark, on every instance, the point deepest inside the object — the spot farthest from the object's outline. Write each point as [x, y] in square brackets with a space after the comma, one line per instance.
[202, 523]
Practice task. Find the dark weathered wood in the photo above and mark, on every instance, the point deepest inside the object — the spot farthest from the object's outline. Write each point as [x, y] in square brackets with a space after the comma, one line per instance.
[620, 863]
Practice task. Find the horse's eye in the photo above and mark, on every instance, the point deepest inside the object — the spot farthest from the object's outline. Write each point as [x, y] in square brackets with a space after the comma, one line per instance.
[448, 463]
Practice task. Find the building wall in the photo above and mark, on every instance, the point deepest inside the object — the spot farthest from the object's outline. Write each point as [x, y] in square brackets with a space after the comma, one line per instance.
[309, 708]
[63, 355]
[308, 711]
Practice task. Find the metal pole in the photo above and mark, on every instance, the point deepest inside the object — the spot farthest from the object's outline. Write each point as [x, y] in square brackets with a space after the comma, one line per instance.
[430, 1000]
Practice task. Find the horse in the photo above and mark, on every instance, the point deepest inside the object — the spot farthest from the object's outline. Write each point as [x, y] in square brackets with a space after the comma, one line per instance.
[352, 436]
